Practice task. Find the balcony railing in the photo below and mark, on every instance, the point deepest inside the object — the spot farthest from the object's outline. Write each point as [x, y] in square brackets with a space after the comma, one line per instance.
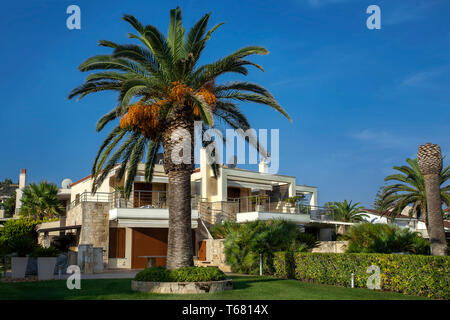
[264, 203]
[144, 199]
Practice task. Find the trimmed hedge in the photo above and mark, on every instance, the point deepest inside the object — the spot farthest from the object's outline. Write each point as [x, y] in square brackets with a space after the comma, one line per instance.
[187, 274]
[410, 274]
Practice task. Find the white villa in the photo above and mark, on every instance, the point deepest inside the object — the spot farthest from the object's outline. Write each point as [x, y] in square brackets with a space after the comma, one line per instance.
[129, 229]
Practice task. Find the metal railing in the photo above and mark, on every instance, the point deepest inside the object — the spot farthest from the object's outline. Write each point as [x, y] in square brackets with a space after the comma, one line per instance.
[89, 197]
[264, 203]
[144, 199]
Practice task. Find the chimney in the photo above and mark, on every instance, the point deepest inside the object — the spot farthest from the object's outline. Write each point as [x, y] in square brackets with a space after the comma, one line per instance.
[22, 178]
[19, 191]
[263, 165]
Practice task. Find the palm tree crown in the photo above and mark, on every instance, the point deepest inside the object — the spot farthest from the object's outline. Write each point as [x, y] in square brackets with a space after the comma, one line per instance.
[161, 88]
[410, 190]
[348, 212]
[40, 201]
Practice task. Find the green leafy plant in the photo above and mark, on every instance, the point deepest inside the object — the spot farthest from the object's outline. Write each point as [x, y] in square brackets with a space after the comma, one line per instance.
[308, 239]
[186, 274]
[19, 236]
[40, 201]
[23, 246]
[155, 274]
[427, 276]
[408, 189]
[245, 243]
[45, 252]
[347, 212]
[384, 238]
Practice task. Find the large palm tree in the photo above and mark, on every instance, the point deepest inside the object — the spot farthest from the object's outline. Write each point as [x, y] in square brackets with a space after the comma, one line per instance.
[162, 89]
[409, 190]
[40, 201]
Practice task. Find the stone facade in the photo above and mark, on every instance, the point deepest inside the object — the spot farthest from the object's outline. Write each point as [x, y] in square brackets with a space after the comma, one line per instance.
[215, 255]
[182, 287]
[74, 216]
[95, 226]
[331, 247]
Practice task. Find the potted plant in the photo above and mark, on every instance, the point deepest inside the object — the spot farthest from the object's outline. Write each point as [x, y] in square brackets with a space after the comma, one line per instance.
[21, 247]
[46, 261]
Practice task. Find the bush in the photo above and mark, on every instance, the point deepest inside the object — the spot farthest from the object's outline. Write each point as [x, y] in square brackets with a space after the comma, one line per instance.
[45, 252]
[308, 239]
[384, 238]
[410, 274]
[245, 242]
[193, 274]
[19, 236]
[155, 274]
[188, 274]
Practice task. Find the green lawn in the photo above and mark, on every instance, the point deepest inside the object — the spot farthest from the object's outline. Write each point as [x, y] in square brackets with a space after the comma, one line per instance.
[245, 288]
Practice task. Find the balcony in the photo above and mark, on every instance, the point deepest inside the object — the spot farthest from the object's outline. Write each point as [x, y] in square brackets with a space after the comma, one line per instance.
[139, 199]
[260, 208]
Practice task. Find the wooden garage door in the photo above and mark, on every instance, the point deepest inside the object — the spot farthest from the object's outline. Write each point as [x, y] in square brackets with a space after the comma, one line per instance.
[148, 242]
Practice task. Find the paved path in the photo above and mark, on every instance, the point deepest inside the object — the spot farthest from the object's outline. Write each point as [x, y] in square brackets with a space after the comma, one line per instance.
[107, 274]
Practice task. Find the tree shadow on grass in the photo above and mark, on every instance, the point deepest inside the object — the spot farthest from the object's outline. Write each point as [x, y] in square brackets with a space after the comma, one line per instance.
[243, 282]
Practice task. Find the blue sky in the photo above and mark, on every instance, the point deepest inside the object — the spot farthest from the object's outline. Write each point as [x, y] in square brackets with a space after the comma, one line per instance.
[361, 100]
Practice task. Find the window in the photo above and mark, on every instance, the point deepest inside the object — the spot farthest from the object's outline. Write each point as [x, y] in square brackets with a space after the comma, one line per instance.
[116, 243]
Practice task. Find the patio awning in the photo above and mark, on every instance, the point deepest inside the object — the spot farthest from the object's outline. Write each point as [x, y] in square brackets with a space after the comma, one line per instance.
[249, 185]
[58, 228]
[156, 179]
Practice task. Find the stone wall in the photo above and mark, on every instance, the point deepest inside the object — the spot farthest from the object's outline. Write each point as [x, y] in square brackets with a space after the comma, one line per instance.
[331, 247]
[74, 216]
[95, 226]
[215, 254]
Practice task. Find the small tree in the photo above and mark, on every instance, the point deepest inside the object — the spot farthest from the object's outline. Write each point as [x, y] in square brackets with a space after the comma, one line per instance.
[348, 212]
[9, 205]
[41, 201]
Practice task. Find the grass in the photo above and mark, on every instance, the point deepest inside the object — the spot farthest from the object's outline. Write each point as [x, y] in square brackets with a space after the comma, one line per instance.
[244, 288]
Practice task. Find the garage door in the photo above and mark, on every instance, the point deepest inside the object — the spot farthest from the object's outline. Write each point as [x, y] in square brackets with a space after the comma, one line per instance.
[150, 242]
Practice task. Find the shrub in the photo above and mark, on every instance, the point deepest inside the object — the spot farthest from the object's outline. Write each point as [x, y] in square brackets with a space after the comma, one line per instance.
[410, 274]
[45, 252]
[308, 239]
[187, 274]
[245, 242]
[193, 274]
[384, 238]
[156, 274]
[19, 236]
[221, 231]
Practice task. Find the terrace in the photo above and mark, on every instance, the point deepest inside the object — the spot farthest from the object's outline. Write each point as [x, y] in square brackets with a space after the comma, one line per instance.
[262, 207]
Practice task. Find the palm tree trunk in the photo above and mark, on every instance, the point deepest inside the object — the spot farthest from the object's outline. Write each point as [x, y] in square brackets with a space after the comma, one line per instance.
[179, 246]
[434, 209]
[429, 159]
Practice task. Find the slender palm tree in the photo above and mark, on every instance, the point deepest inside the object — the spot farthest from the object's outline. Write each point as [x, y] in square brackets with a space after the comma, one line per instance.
[161, 92]
[409, 190]
[429, 159]
[348, 212]
[41, 201]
